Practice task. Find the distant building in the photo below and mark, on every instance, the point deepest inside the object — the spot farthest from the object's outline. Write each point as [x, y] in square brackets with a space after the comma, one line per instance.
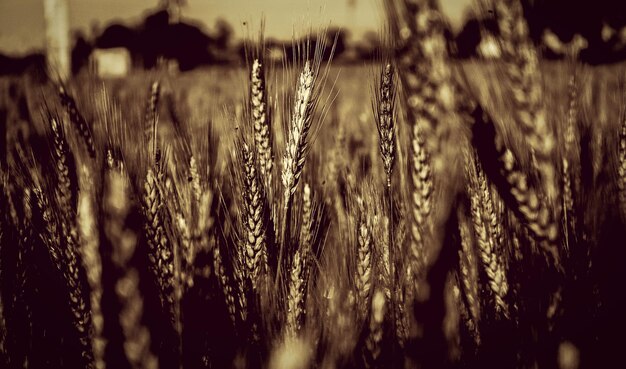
[111, 63]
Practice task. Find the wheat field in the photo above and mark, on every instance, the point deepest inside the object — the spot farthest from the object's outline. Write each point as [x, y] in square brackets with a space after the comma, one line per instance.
[415, 212]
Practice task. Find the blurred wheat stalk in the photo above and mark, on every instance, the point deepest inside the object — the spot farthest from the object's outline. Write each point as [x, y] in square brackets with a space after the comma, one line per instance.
[449, 238]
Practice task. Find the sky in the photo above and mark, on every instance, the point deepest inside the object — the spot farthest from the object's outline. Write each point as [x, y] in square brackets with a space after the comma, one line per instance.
[22, 21]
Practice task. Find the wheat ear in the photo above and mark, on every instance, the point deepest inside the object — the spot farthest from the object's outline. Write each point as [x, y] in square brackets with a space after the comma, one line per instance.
[253, 220]
[421, 197]
[261, 119]
[124, 242]
[363, 276]
[523, 72]
[78, 120]
[513, 185]
[160, 257]
[490, 257]
[384, 104]
[93, 266]
[373, 341]
[295, 299]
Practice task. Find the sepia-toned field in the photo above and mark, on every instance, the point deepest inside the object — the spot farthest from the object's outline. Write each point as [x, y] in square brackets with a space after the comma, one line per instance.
[420, 212]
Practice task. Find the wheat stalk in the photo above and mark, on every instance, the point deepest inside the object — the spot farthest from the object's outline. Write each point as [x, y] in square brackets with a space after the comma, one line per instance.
[195, 179]
[492, 262]
[295, 299]
[261, 119]
[151, 120]
[468, 272]
[374, 338]
[363, 276]
[421, 197]
[185, 278]
[297, 143]
[63, 160]
[78, 120]
[160, 257]
[93, 266]
[513, 185]
[522, 70]
[224, 282]
[253, 225]
[422, 59]
[124, 242]
[66, 261]
[384, 105]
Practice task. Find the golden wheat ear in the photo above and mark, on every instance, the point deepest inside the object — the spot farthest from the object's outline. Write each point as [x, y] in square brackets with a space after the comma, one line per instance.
[468, 272]
[488, 241]
[302, 128]
[384, 114]
[261, 120]
[522, 69]
[254, 224]
[123, 244]
[160, 252]
[514, 186]
[78, 120]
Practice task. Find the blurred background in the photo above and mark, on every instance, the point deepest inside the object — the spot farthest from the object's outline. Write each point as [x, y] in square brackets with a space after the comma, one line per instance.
[114, 37]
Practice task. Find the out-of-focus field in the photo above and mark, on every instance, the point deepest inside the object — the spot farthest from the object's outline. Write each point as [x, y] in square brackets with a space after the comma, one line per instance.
[218, 94]
[214, 91]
